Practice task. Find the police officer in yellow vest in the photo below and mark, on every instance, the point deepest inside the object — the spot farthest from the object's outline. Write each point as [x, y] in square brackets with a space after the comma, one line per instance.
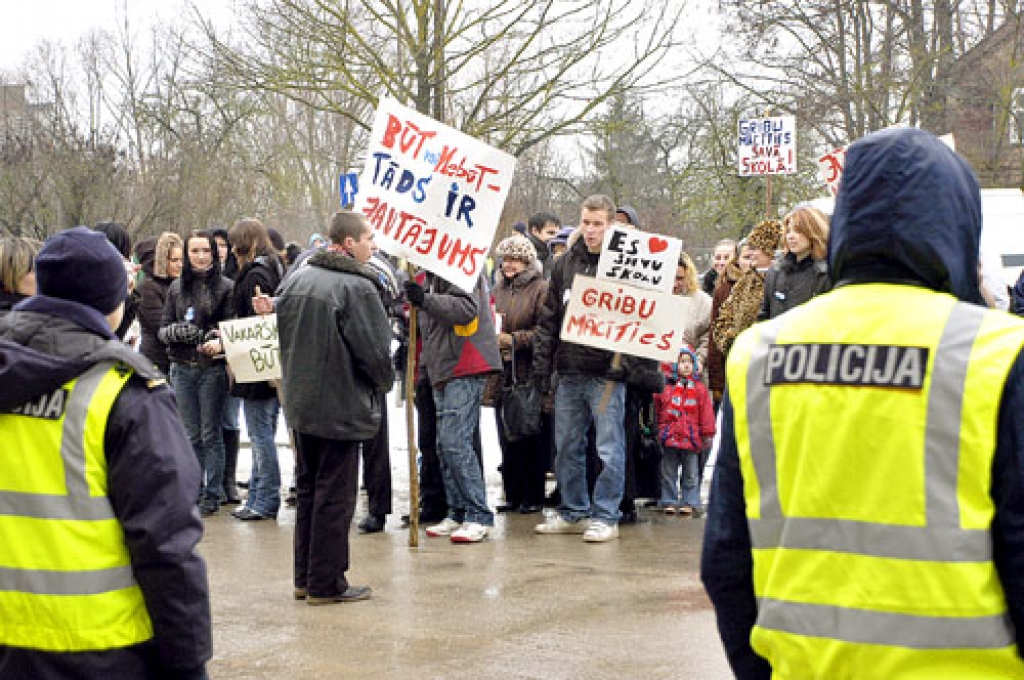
[99, 577]
[867, 511]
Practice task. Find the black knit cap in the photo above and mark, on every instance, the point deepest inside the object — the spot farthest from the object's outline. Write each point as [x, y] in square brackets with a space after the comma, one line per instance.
[81, 265]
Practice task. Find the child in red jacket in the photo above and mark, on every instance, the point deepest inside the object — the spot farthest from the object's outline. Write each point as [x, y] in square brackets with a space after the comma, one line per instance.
[686, 426]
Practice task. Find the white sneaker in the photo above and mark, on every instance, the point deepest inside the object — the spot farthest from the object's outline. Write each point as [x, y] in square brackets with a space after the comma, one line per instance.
[556, 525]
[444, 528]
[599, 532]
[470, 532]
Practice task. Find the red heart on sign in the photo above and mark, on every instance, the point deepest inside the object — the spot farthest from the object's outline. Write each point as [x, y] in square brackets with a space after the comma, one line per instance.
[657, 244]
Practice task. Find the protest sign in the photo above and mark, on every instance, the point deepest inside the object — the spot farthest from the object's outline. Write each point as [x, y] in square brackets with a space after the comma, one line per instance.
[767, 146]
[830, 167]
[639, 259]
[618, 318]
[432, 194]
[251, 348]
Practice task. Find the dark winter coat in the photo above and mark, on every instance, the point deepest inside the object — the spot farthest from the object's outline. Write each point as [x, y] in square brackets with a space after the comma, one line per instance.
[792, 282]
[8, 300]
[335, 348]
[208, 294]
[458, 332]
[152, 298]
[519, 300]
[551, 355]
[543, 255]
[264, 272]
[153, 479]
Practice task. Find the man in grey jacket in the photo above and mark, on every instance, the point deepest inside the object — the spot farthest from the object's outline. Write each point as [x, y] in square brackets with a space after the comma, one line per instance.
[335, 349]
[460, 349]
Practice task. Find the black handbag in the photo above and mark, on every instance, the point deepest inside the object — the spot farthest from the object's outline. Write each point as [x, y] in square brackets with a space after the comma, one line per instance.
[521, 406]
[649, 444]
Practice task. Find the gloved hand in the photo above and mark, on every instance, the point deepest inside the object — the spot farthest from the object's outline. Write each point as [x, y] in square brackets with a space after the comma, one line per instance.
[414, 293]
[615, 374]
[181, 333]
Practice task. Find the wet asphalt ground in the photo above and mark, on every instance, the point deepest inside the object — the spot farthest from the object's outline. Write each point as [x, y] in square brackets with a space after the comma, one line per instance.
[518, 605]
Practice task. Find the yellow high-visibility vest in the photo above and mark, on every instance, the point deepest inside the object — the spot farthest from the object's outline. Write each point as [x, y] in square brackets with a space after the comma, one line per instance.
[866, 425]
[66, 581]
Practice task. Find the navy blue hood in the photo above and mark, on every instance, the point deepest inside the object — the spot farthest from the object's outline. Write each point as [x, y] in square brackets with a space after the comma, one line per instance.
[908, 210]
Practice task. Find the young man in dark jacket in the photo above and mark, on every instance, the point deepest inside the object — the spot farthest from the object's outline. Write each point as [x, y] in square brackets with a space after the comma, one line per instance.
[583, 373]
[335, 349]
[98, 487]
[541, 228]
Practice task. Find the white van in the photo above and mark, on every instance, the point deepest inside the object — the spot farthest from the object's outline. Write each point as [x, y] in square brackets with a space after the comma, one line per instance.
[1002, 237]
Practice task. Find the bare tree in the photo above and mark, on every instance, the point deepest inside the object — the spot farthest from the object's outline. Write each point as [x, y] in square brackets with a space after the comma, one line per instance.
[847, 67]
[514, 72]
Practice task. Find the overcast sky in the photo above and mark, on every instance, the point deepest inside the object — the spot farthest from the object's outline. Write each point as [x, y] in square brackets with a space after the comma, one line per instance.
[27, 22]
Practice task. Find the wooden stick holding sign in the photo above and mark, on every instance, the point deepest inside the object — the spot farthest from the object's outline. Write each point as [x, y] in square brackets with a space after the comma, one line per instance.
[609, 385]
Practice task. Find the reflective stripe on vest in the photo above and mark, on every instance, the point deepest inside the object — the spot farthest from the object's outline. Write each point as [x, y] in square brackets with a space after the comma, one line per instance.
[77, 503]
[68, 545]
[931, 544]
[942, 539]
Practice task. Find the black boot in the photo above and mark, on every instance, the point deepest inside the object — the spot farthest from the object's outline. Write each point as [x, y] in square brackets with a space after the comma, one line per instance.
[230, 463]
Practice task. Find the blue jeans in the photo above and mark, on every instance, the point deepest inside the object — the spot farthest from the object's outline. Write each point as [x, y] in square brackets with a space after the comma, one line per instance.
[230, 419]
[458, 413]
[576, 404]
[265, 482]
[672, 461]
[201, 393]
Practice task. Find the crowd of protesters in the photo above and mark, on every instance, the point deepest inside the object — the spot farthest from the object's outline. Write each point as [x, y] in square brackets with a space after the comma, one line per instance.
[613, 429]
[504, 332]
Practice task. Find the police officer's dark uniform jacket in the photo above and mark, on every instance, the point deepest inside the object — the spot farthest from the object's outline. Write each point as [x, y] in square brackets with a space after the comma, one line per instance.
[151, 480]
[867, 510]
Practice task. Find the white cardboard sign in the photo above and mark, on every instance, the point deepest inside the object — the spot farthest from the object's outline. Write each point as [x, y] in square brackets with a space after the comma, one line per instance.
[251, 348]
[624, 319]
[432, 194]
[767, 146]
[640, 259]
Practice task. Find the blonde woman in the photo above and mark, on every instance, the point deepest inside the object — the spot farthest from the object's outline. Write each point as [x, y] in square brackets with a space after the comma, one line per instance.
[802, 272]
[17, 270]
[161, 267]
[697, 319]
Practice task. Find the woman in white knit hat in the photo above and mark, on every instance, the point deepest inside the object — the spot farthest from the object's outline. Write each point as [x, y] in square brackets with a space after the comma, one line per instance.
[518, 298]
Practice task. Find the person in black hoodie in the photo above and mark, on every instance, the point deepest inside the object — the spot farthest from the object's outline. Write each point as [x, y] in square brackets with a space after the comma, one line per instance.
[868, 522]
[259, 269]
[196, 303]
